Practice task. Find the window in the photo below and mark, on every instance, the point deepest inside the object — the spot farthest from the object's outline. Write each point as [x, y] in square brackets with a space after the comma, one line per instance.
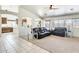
[58, 23]
[47, 24]
[61, 23]
[76, 23]
[68, 23]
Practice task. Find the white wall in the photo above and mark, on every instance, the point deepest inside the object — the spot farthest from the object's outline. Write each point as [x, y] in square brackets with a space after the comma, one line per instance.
[25, 13]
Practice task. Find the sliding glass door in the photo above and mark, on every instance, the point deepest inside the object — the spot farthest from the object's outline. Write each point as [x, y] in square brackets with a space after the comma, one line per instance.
[76, 27]
[72, 26]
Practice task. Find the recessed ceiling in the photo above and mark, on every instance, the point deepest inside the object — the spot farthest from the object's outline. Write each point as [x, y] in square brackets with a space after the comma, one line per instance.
[43, 10]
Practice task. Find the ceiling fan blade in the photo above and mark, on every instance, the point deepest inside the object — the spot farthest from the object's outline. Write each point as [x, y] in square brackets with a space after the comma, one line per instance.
[52, 7]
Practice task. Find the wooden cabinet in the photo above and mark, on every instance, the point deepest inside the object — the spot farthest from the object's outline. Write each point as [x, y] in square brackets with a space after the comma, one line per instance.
[7, 29]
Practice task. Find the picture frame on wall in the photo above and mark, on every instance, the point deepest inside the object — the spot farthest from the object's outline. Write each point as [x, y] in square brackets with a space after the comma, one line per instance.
[24, 21]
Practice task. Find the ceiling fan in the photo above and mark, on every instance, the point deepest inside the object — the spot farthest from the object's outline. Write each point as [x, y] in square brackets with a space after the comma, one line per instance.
[52, 7]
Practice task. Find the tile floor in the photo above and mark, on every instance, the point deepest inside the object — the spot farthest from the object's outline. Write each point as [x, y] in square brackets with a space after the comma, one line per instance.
[11, 43]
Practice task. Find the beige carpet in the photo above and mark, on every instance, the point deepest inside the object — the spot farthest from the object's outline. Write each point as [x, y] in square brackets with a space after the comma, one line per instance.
[55, 44]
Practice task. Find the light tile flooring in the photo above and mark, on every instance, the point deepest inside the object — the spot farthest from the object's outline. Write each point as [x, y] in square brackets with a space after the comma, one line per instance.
[11, 43]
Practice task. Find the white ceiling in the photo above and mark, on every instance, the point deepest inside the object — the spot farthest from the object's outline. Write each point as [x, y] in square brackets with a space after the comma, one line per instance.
[43, 10]
[9, 11]
[13, 8]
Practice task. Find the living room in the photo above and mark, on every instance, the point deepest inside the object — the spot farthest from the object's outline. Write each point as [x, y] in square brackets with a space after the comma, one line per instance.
[53, 28]
[39, 29]
[52, 19]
